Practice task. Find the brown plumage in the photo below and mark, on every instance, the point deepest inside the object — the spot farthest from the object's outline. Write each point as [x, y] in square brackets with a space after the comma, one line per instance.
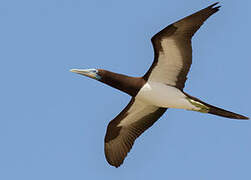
[120, 137]
[181, 33]
[172, 61]
[123, 137]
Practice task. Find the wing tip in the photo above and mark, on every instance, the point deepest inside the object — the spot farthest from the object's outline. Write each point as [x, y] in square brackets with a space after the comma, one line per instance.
[113, 157]
[214, 4]
[217, 8]
[114, 162]
[210, 10]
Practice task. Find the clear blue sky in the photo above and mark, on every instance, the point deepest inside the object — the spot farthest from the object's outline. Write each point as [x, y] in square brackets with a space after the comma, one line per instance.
[53, 122]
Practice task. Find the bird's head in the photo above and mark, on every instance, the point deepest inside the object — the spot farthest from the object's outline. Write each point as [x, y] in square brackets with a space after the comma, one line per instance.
[92, 73]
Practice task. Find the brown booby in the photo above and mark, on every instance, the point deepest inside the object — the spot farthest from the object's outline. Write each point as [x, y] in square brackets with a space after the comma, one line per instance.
[160, 88]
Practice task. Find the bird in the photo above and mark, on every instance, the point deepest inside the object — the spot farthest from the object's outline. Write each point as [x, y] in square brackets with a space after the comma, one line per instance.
[160, 88]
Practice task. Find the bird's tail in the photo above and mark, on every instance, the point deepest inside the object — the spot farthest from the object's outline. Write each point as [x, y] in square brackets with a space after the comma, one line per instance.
[217, 111]
[221, 112]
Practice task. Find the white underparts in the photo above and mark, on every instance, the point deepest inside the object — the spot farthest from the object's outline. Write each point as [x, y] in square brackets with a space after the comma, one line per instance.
[162, 95]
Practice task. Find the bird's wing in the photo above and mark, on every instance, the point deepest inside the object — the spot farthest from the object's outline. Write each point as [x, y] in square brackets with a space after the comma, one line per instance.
[173, 50]
[122, 131]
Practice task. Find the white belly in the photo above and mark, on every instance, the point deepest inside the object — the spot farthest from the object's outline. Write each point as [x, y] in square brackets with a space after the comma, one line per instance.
[162, 95]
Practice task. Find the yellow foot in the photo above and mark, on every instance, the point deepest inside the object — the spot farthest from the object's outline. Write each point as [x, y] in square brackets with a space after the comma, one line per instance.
[202, 108]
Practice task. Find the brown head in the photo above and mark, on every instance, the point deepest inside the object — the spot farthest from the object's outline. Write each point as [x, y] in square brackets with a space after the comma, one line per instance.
[129, 85]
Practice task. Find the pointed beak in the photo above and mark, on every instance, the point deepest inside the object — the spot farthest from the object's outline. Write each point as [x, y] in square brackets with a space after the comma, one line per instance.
[92, 73]
[80, 71]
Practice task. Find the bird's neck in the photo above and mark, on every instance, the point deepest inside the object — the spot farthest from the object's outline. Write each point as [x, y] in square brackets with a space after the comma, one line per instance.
[129, 85]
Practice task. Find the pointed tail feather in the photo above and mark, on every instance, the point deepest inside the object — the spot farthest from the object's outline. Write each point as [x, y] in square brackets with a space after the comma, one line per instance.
[218, 111]
[221, 112]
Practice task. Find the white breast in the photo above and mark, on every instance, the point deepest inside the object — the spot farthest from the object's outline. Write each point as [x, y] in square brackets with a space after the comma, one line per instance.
[162, 95]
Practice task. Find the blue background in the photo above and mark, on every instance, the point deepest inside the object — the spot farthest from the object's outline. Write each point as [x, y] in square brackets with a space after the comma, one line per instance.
[52, 121]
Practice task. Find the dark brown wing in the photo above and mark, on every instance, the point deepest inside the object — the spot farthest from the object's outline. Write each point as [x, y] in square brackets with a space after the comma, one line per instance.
[173, 50]
[126, 127]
